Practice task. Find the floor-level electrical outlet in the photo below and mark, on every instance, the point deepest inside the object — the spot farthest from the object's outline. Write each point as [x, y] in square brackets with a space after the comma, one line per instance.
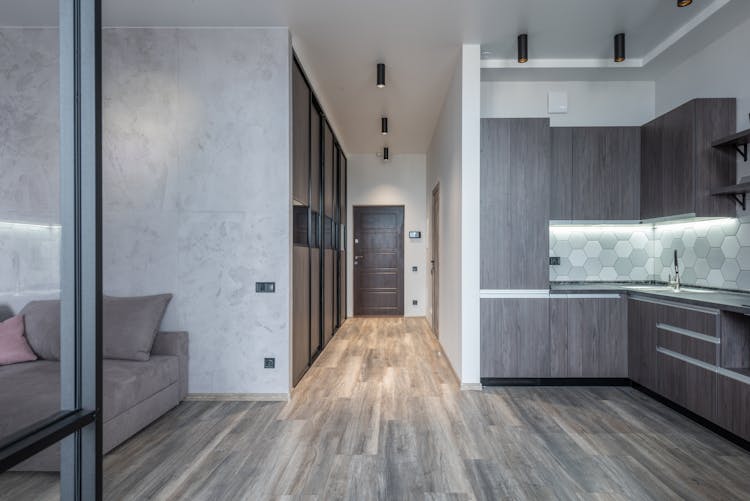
[269, 363]
[414, 302]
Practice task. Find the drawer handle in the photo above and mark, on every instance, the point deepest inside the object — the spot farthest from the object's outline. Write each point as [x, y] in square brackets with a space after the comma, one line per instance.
[689, 333]
[734, 375]
[688, 360]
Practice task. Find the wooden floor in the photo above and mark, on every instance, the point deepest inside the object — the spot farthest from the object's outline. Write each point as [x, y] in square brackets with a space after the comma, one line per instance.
[380, 416]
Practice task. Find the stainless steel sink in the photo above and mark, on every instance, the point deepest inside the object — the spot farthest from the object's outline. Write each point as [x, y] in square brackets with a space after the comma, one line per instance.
[667, 288]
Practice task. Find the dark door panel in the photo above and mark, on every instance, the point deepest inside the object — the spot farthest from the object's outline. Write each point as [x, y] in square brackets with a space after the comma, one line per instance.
[378, 260]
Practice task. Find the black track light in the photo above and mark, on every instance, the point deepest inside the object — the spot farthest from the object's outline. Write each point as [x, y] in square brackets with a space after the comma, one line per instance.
[381, 75]
[684, 3]
[384, 126]
[619, 47]
[523, 48]
[385, 154]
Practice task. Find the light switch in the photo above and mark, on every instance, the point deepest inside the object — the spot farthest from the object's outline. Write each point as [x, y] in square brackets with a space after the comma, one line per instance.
[557, 102]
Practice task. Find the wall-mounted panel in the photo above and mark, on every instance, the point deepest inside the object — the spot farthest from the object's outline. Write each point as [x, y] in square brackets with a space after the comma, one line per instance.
[300, 136]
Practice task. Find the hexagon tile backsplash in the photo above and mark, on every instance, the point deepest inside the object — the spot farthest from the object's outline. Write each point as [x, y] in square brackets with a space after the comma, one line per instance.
[711, 253]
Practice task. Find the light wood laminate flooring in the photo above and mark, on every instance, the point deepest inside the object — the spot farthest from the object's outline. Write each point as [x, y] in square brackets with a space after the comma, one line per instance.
[380, 416]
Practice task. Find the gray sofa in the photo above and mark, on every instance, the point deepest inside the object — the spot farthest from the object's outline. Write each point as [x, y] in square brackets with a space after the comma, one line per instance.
[135, 393]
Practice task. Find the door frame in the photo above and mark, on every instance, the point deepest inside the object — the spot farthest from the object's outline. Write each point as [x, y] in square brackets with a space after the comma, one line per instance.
[402, 257]
[435, 258]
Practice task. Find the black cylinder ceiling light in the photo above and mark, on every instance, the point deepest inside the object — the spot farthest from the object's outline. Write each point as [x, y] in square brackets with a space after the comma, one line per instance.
[684, 3]
[386, 156]
[384, 126]
[619, 47]
[523, 48]
[381, 75]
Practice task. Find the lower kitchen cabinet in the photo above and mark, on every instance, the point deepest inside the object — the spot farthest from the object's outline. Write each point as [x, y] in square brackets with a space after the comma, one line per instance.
[642, 342]
[687, 384]
[515, 338]
[733, 403]
[589, 337]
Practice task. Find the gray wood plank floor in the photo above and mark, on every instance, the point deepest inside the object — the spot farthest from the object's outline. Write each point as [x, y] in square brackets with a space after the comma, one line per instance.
[380, 416]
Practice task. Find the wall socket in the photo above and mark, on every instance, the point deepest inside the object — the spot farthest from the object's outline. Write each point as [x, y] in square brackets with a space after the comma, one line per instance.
[414, 268]
[414, 302]
[267, 287]
[554, 261]
[269, 363]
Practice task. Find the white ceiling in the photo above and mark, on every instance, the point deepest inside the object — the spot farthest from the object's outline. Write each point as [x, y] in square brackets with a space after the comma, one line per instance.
[340, 42]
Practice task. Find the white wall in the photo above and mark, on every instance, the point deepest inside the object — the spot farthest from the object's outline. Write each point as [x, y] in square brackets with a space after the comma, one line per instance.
[589, 103]
[718, 70]
[196, 185]
[400, 181]
[444, 167]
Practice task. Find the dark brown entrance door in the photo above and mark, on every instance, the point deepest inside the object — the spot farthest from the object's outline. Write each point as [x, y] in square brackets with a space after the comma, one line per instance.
[378, 260]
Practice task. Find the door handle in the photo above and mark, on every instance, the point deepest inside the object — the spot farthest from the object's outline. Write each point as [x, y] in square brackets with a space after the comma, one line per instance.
[359, 257]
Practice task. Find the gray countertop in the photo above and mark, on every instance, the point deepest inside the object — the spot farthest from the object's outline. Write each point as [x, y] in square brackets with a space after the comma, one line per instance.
[737, 302]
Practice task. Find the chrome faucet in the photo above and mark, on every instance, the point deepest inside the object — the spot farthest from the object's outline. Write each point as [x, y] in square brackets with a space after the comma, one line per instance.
[674, 280]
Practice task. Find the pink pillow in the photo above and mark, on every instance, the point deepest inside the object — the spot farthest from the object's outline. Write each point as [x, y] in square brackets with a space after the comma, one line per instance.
[13, 346]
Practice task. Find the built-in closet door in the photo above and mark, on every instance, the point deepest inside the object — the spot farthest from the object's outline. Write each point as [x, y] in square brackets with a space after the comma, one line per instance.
[342, 239]
[300, 225]
[316, 340]
[328, 234]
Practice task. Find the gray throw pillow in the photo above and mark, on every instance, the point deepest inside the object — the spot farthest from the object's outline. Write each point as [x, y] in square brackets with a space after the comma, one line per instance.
[42, 325]
[131, 324]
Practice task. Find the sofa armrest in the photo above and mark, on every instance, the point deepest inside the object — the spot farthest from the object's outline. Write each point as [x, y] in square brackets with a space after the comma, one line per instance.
[176, 344]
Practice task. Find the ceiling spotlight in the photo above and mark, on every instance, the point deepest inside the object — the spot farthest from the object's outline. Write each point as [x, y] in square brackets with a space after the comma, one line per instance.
[619, 47]
[523, 48]
[384, 126]
[684, 3]
[386, 157]
[381, 75]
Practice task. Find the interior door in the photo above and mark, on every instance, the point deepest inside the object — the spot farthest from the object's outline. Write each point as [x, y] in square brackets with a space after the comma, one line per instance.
[435, 259]
[379, 260]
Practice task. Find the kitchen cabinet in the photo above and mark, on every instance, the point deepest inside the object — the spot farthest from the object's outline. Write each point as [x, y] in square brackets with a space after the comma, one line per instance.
[515, 340]
[595, 173]
[589, 337]
[515, 202]
[642, 342]
[680, 167]
[300, 312]
[733, 403]
[687, 384]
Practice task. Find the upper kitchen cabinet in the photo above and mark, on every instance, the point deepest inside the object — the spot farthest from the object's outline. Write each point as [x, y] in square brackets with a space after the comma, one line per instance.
[680, 167]
[595, 173]
[515, 203]
[301, 136]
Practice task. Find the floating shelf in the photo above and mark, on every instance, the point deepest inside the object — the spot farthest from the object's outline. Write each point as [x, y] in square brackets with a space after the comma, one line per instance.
[737, 141]
[736, 191]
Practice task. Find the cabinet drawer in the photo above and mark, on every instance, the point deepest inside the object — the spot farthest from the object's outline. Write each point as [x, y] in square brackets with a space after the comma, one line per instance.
[733, 403]
[687, 382]
[690, 343]
[692, 318]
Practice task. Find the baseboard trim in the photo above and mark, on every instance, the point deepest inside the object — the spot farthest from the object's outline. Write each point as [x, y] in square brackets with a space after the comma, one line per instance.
[237, 397]
[722, 432]
[555, 381]
[471, 387]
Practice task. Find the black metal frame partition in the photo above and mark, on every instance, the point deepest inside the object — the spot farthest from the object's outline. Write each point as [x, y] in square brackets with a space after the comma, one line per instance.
[79, 424]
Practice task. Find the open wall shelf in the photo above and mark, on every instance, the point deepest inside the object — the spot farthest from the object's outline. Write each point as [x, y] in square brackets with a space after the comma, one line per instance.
[738, 192]
[736, 141]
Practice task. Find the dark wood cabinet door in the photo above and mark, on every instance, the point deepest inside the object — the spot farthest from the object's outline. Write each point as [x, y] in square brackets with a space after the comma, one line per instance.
[606, 173]
[561, 188]
[378, 260]
[300, 312]
[642, 342]
[677, 156]
[300, 136]
[515, 201]
[687, 384]
[328, 172]
[329, 273]
[316, 152]
[733, 404]
[589, 337]
[316, 332]
[652, 179]
[715, 167]
[515, 338]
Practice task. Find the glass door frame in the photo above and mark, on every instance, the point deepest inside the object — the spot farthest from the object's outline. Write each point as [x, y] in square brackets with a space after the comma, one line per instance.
[79, 424]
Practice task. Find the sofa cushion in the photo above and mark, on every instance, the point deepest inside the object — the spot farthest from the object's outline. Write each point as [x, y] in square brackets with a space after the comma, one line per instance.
[130, 325]
[127, 383]
[30, 391]
[42, 320]
[13, 345]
